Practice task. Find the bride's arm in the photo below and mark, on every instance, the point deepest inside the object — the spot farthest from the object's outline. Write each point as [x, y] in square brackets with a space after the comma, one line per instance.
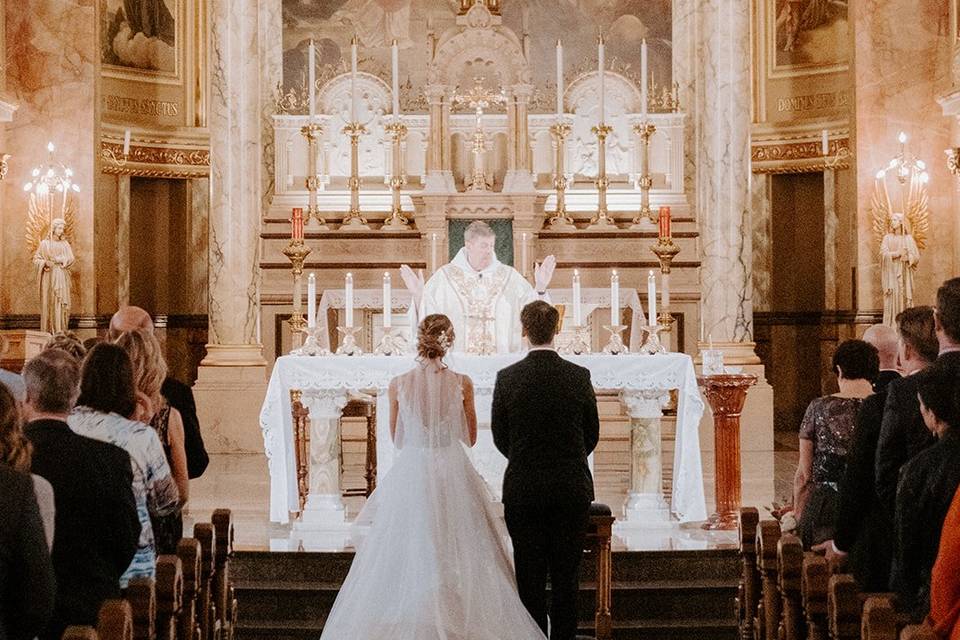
[470, 410]
[394, 409]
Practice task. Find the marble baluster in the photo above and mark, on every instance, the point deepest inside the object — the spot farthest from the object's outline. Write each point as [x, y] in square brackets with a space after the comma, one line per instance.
[645, 505]
[324, 507]
[232, 376]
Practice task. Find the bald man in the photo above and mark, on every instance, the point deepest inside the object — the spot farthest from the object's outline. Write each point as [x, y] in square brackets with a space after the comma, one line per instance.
[886, 340]
[178, 395]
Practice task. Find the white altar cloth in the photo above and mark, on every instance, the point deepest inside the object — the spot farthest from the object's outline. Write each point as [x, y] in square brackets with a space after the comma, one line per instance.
[643, 375]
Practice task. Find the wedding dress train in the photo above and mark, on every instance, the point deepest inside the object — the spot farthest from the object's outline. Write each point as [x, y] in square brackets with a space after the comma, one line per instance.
[434, 565]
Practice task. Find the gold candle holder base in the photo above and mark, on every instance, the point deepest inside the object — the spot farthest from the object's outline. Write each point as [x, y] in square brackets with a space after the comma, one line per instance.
[311, 346]
[392, 344]
[580, 344]
[651, 341]
[354, 222]
[615, 345]
[348, 344]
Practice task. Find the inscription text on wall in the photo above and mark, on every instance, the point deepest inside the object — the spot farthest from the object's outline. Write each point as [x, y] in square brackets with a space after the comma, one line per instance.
[814, 101]
[141, 106]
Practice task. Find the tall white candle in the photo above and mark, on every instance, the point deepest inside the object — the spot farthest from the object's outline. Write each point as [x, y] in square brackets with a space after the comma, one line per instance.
[348, 304]
[312, 301]
[312, 65]
[433, 252]
[395, 63]
[353, 79]
[614, 299]
[523, 252]
[577, 317]
[652, 298]
[643, 78]
[600, 71]
[126, 142]
[387, 306]
[824, 143]
[559, 80]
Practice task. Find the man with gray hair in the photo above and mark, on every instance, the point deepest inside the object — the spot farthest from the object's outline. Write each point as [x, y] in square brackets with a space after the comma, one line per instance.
[481, 295]
[887, 342]
[96, 528]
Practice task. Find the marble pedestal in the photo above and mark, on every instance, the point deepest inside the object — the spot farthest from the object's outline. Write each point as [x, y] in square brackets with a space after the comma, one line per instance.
[231, 383]
[19, 345]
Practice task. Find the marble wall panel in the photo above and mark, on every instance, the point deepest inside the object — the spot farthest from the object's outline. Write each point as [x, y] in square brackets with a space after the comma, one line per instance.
[51, 58]
[902, 55]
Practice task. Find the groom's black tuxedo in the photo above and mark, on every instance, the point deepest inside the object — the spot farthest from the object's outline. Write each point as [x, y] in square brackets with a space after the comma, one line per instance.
[544, 420]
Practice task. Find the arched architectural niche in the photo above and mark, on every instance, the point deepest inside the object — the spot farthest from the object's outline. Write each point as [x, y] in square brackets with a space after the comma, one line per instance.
[373, 101]
[621, 99]
[483, 44]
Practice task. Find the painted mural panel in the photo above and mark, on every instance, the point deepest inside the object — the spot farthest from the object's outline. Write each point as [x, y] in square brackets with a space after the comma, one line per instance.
[809, 35]
[139, 35]
[332, 23]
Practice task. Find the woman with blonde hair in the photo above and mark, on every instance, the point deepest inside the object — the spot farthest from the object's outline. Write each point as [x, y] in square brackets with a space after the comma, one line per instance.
[149, 372]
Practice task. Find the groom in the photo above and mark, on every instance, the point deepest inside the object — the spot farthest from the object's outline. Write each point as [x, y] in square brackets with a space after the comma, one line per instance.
[544, 420]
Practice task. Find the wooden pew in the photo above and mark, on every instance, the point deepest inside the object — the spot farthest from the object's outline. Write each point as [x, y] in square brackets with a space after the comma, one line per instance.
[223, 586]
[599, 534]
[918, 632]
[749, 587]
[141, 595]
[115, 621]
[789, 579]
[814, 586]
[878, 620]
[169, 585]
[79, 632]
[206, 607]
[843, 608]
[768, 611]
[189, 553]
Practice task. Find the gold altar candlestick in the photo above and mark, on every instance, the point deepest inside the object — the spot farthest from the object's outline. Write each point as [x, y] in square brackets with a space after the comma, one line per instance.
[602, 220]
[354, 220]
[311, 131]
[560, 221]
[665, 250]
[396, 221]
[645, 218]
[297, 251]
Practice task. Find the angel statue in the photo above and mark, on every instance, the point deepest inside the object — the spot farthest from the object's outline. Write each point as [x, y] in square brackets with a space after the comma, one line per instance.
[899, 256]
[53, 259]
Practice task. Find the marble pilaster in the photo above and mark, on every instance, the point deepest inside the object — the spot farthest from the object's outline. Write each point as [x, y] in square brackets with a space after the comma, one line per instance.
[831, 224]
[123, 240]
[232, 377]
[762, 223]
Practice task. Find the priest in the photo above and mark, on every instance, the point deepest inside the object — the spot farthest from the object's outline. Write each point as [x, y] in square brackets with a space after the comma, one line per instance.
[481, 295]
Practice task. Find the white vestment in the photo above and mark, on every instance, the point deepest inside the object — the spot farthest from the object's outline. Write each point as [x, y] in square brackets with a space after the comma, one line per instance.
[484, 306]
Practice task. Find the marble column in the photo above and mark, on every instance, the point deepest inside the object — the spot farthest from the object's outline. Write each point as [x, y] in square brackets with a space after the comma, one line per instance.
[123, 240]
[645, 506]
[762, 222]
[519, 177]
[437, 179]
[724, 200]
[232, 377]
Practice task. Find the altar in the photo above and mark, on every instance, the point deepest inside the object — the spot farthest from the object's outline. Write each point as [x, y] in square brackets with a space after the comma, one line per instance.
[644, 383]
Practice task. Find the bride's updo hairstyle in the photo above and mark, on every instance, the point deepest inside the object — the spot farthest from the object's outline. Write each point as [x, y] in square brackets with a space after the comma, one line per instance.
[434, 336]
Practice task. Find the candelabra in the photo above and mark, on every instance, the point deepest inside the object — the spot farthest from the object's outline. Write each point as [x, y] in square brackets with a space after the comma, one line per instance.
[396, 221]
[392, 344]
[348, 343]
[297, 251]
[645, 217]
[665, 250]
[560, 221]
[354, 220]
[311, 131]
[602, 221]
[580, 342]
[615, 345]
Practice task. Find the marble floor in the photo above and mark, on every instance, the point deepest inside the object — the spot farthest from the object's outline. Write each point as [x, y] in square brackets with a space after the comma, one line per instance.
[242, 484]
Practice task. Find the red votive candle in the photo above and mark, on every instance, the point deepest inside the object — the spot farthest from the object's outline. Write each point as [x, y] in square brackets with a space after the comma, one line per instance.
[664, 219]
[296, 227]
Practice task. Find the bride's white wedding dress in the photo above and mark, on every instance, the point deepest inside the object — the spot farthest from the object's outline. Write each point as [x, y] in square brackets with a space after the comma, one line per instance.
[434, 565]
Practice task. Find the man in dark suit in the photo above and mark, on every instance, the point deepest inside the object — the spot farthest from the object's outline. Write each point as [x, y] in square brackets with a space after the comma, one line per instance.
[544, 420]
[26, 576]
[903, 433]
[96, 525]
[178, 395]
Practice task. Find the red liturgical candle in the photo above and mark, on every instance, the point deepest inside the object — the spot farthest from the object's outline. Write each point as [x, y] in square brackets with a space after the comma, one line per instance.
[296, 228]
[664, 218]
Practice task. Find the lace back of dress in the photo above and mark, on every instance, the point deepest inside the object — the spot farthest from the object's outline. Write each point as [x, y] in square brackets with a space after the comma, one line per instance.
[431, 408]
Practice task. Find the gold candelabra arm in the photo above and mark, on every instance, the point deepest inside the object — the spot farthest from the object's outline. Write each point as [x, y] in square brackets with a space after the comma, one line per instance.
[645, 218]
[665, 250]
[297, 252]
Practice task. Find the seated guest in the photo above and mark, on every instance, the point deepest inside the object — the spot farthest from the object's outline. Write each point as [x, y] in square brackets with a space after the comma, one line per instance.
[903, 433]
[884, 338]
[107, 400]
[26, 599]
[178, 395]
[944, 614]
[863, 526]
[149, 370]
[825, 437]
[926, 488]
[69, 342]
[97, 525]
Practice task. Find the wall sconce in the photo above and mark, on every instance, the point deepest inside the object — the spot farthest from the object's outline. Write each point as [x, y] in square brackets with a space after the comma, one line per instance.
[953, 160]
[3, 165]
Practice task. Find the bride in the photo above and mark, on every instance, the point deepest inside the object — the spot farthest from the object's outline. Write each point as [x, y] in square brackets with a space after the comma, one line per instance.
[434, 565]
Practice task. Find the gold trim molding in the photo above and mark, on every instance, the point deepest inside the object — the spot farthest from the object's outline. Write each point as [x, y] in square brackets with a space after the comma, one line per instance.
[799, 152]
[155, 161]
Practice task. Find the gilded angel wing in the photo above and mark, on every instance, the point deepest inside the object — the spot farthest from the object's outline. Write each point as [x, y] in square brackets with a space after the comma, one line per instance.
[70, 218]
[918, 213]
[880, 210]
[38, 225]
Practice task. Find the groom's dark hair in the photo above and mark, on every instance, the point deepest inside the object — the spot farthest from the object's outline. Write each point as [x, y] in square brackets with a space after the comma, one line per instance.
[539, 321]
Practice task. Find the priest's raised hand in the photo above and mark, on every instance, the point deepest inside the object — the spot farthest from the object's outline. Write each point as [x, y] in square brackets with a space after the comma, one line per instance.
[543, 273]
